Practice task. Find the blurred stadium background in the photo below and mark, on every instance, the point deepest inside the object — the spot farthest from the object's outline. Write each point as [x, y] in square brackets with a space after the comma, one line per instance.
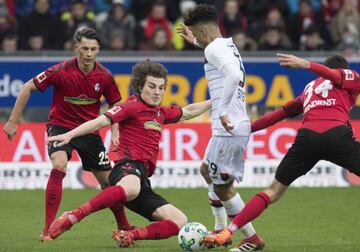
[35, 34]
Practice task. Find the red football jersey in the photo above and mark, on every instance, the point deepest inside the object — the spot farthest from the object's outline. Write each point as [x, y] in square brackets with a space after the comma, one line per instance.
[76, 95]
[326, 103]
[140, 127]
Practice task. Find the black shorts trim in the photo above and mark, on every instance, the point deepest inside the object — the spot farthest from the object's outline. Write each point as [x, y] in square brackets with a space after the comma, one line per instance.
[147, 201]
[90, 148]
[337, 145]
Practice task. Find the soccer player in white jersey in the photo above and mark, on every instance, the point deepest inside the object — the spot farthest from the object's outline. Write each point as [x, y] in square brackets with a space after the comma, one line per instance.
[224, 157]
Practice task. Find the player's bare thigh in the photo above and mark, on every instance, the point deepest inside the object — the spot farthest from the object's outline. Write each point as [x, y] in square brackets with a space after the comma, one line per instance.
[131, 185]
[204, 170]
[59, 160]
[169, 212]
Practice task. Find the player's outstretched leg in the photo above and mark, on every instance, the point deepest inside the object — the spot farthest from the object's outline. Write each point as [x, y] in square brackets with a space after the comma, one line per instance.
[155, 231]
[104, 199]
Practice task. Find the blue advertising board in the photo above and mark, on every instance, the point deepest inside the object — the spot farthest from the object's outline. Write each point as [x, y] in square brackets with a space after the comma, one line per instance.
[267, 82]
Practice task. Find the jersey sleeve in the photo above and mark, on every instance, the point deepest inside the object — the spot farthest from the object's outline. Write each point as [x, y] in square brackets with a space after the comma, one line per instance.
[172, 114]
[294, 107]
[326, 73]
[44, 79]
[118, 113]
[290, 109]
[218, 56]
[350, 80]
[111, 91]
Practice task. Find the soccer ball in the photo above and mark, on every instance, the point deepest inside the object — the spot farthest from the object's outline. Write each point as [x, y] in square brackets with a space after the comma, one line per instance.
[191, 236]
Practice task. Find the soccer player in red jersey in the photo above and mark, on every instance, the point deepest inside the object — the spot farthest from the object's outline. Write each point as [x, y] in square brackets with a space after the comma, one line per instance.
[140, 124]
[325, 133]
[78, 85]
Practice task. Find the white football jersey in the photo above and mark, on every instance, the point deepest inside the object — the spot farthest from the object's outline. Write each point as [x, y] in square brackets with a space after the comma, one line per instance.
[219, 53]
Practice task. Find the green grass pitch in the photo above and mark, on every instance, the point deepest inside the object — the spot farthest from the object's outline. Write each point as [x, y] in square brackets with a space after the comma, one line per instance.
[306, 219]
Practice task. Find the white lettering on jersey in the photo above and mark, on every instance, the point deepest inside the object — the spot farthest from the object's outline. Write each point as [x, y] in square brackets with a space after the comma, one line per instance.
[315, 103]
[322, 88]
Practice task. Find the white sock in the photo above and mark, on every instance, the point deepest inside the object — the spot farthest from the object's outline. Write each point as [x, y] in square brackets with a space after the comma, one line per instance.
[233, 207]
[218, 211]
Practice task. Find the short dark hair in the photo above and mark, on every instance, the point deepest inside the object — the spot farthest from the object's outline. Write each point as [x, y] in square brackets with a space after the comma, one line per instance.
[336, 61]
[147, 68]
[202, 13]
[88, 33]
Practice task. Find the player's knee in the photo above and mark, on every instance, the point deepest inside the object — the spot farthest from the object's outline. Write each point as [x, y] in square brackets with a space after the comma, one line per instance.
[275, 191]
[131, 185]
[59, 164]
[131, 193]
[274, 195]
[224, 192]
[59, 160]
[180, 219]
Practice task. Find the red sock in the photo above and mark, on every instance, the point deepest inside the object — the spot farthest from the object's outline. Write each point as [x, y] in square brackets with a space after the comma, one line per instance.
[108, 197]
[251, 210]
[53, 195]
[156, 231]
[120, 216]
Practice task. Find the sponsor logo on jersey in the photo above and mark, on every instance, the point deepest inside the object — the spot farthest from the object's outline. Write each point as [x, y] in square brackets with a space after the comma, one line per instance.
[81, 100]
[153, 125]
[97, 87]
[316, 103]
[114, 110]
[41, 77]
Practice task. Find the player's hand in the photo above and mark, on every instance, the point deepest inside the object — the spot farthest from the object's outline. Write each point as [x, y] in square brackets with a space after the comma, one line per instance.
[59, 140]
[226, 123]
[288, 60]
[185, 33]
[115, 140]
[10, 130]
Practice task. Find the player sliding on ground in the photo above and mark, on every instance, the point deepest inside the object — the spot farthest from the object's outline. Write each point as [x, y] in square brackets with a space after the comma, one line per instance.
[140, 123]
[325, 133]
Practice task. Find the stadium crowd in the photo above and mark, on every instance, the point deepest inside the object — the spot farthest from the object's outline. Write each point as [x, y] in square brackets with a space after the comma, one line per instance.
[305, 25]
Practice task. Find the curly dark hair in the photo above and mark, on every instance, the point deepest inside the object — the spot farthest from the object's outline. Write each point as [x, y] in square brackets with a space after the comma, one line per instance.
[336, 61]
[147, 68]
[202, 13]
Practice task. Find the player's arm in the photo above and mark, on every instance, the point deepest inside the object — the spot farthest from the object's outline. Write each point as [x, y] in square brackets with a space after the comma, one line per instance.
[324, 72]
[195, 109]
[83, 129]
[112, 96]
[233, 77]
[290, 109]
[27, 89]
[114, 131]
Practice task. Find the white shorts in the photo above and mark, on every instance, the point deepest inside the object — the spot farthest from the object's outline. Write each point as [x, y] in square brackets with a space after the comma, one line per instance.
[224, 156]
